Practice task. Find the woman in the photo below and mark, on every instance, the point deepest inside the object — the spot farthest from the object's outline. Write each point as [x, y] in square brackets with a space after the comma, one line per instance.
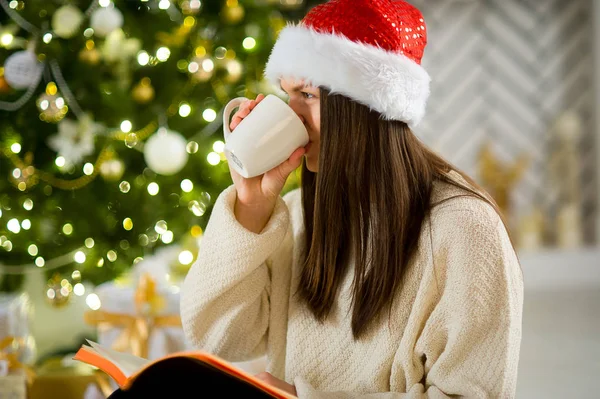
[389, 273]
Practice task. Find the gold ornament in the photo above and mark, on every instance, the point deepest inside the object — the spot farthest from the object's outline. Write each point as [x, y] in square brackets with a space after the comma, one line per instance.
[531, 230]
[4, 87]
[143, 92]
[179, 35]
[196, 231]
[233, 12]
[500, 179]
[58, 291]
[51, 105]
[146, 296]
[90, 56]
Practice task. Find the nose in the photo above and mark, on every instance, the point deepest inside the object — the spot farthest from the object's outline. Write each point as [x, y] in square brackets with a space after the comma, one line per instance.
[297, 108]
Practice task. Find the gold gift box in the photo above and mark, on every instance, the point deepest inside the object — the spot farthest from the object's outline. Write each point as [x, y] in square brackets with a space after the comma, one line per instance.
[54, 379]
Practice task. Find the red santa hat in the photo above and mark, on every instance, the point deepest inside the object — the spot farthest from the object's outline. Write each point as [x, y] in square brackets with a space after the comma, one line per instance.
[367, 50]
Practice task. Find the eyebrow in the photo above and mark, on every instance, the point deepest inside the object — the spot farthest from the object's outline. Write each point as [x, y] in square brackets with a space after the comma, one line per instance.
[297, 87]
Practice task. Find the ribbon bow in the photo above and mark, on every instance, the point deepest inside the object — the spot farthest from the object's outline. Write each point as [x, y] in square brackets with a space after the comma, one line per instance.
[136, 328]
[12, 357]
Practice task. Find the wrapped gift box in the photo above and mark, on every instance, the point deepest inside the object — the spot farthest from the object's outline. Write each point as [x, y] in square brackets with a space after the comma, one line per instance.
[139, 313]
[125, 327]
[61, 377]
[16, 312]
[17, 346]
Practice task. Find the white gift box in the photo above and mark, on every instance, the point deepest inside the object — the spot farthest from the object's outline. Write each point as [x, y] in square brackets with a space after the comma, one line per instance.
[162, 340]
[15, 332]
[16, 312]
[120, 298]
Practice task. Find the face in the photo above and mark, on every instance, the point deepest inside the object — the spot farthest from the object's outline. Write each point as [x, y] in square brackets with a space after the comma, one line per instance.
[306, 102]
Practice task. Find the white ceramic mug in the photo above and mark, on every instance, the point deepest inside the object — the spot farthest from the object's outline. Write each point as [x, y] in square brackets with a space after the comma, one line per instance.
[265, 138]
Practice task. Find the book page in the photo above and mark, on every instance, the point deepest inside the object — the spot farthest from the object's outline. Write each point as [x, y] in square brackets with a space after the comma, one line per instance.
[128, 363]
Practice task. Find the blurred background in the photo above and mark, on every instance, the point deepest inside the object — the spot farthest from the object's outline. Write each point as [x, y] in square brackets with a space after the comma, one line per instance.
[111, 159]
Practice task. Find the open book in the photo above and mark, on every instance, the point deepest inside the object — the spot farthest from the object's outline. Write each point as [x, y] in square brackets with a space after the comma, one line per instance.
[182, 371]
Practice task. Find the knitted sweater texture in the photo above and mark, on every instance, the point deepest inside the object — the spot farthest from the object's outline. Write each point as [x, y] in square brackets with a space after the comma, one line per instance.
[455, 325]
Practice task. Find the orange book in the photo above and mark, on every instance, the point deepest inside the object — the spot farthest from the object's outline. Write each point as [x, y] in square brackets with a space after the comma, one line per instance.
[191, 371]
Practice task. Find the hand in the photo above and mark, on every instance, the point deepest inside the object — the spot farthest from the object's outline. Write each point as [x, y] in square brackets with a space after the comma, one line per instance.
[277, 383]
[264, 189]
[244, 111]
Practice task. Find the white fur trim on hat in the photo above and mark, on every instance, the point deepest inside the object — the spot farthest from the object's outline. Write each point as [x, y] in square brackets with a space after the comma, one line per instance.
[387, 82]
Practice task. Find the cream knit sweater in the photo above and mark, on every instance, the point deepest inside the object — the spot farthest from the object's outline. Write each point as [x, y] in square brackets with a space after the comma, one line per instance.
[456, 325]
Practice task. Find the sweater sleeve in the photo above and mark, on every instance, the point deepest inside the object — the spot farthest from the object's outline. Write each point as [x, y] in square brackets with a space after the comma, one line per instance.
[467, 340]
[225, 298]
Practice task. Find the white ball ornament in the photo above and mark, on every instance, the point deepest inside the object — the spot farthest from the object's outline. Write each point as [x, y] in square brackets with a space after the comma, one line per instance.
[66, 20]
[21, 69]
[105, 20]
[165, 152]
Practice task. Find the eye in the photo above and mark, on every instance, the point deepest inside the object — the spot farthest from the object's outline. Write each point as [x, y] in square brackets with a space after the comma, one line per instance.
[308, 96]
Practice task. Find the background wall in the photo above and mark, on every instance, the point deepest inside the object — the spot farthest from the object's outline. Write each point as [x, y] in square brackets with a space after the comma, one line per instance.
[503, 72]
[596, 26]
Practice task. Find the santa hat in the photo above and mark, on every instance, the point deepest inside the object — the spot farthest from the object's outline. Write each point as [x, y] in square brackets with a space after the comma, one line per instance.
[367, 50]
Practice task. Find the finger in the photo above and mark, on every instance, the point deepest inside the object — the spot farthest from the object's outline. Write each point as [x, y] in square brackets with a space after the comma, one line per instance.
[259, 98]
[297, 155]
[245, 109]
[234, 123]
[237, 119]
[253, 104]
[240, 115]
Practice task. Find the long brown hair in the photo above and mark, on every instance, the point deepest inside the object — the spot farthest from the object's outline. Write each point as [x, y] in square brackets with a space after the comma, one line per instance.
[367, 201]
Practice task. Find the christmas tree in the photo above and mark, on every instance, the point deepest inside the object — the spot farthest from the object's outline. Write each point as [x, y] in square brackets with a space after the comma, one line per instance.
[111, 128]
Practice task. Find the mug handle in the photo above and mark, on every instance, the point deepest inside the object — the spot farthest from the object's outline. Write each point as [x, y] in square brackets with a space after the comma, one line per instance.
[231, 105]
